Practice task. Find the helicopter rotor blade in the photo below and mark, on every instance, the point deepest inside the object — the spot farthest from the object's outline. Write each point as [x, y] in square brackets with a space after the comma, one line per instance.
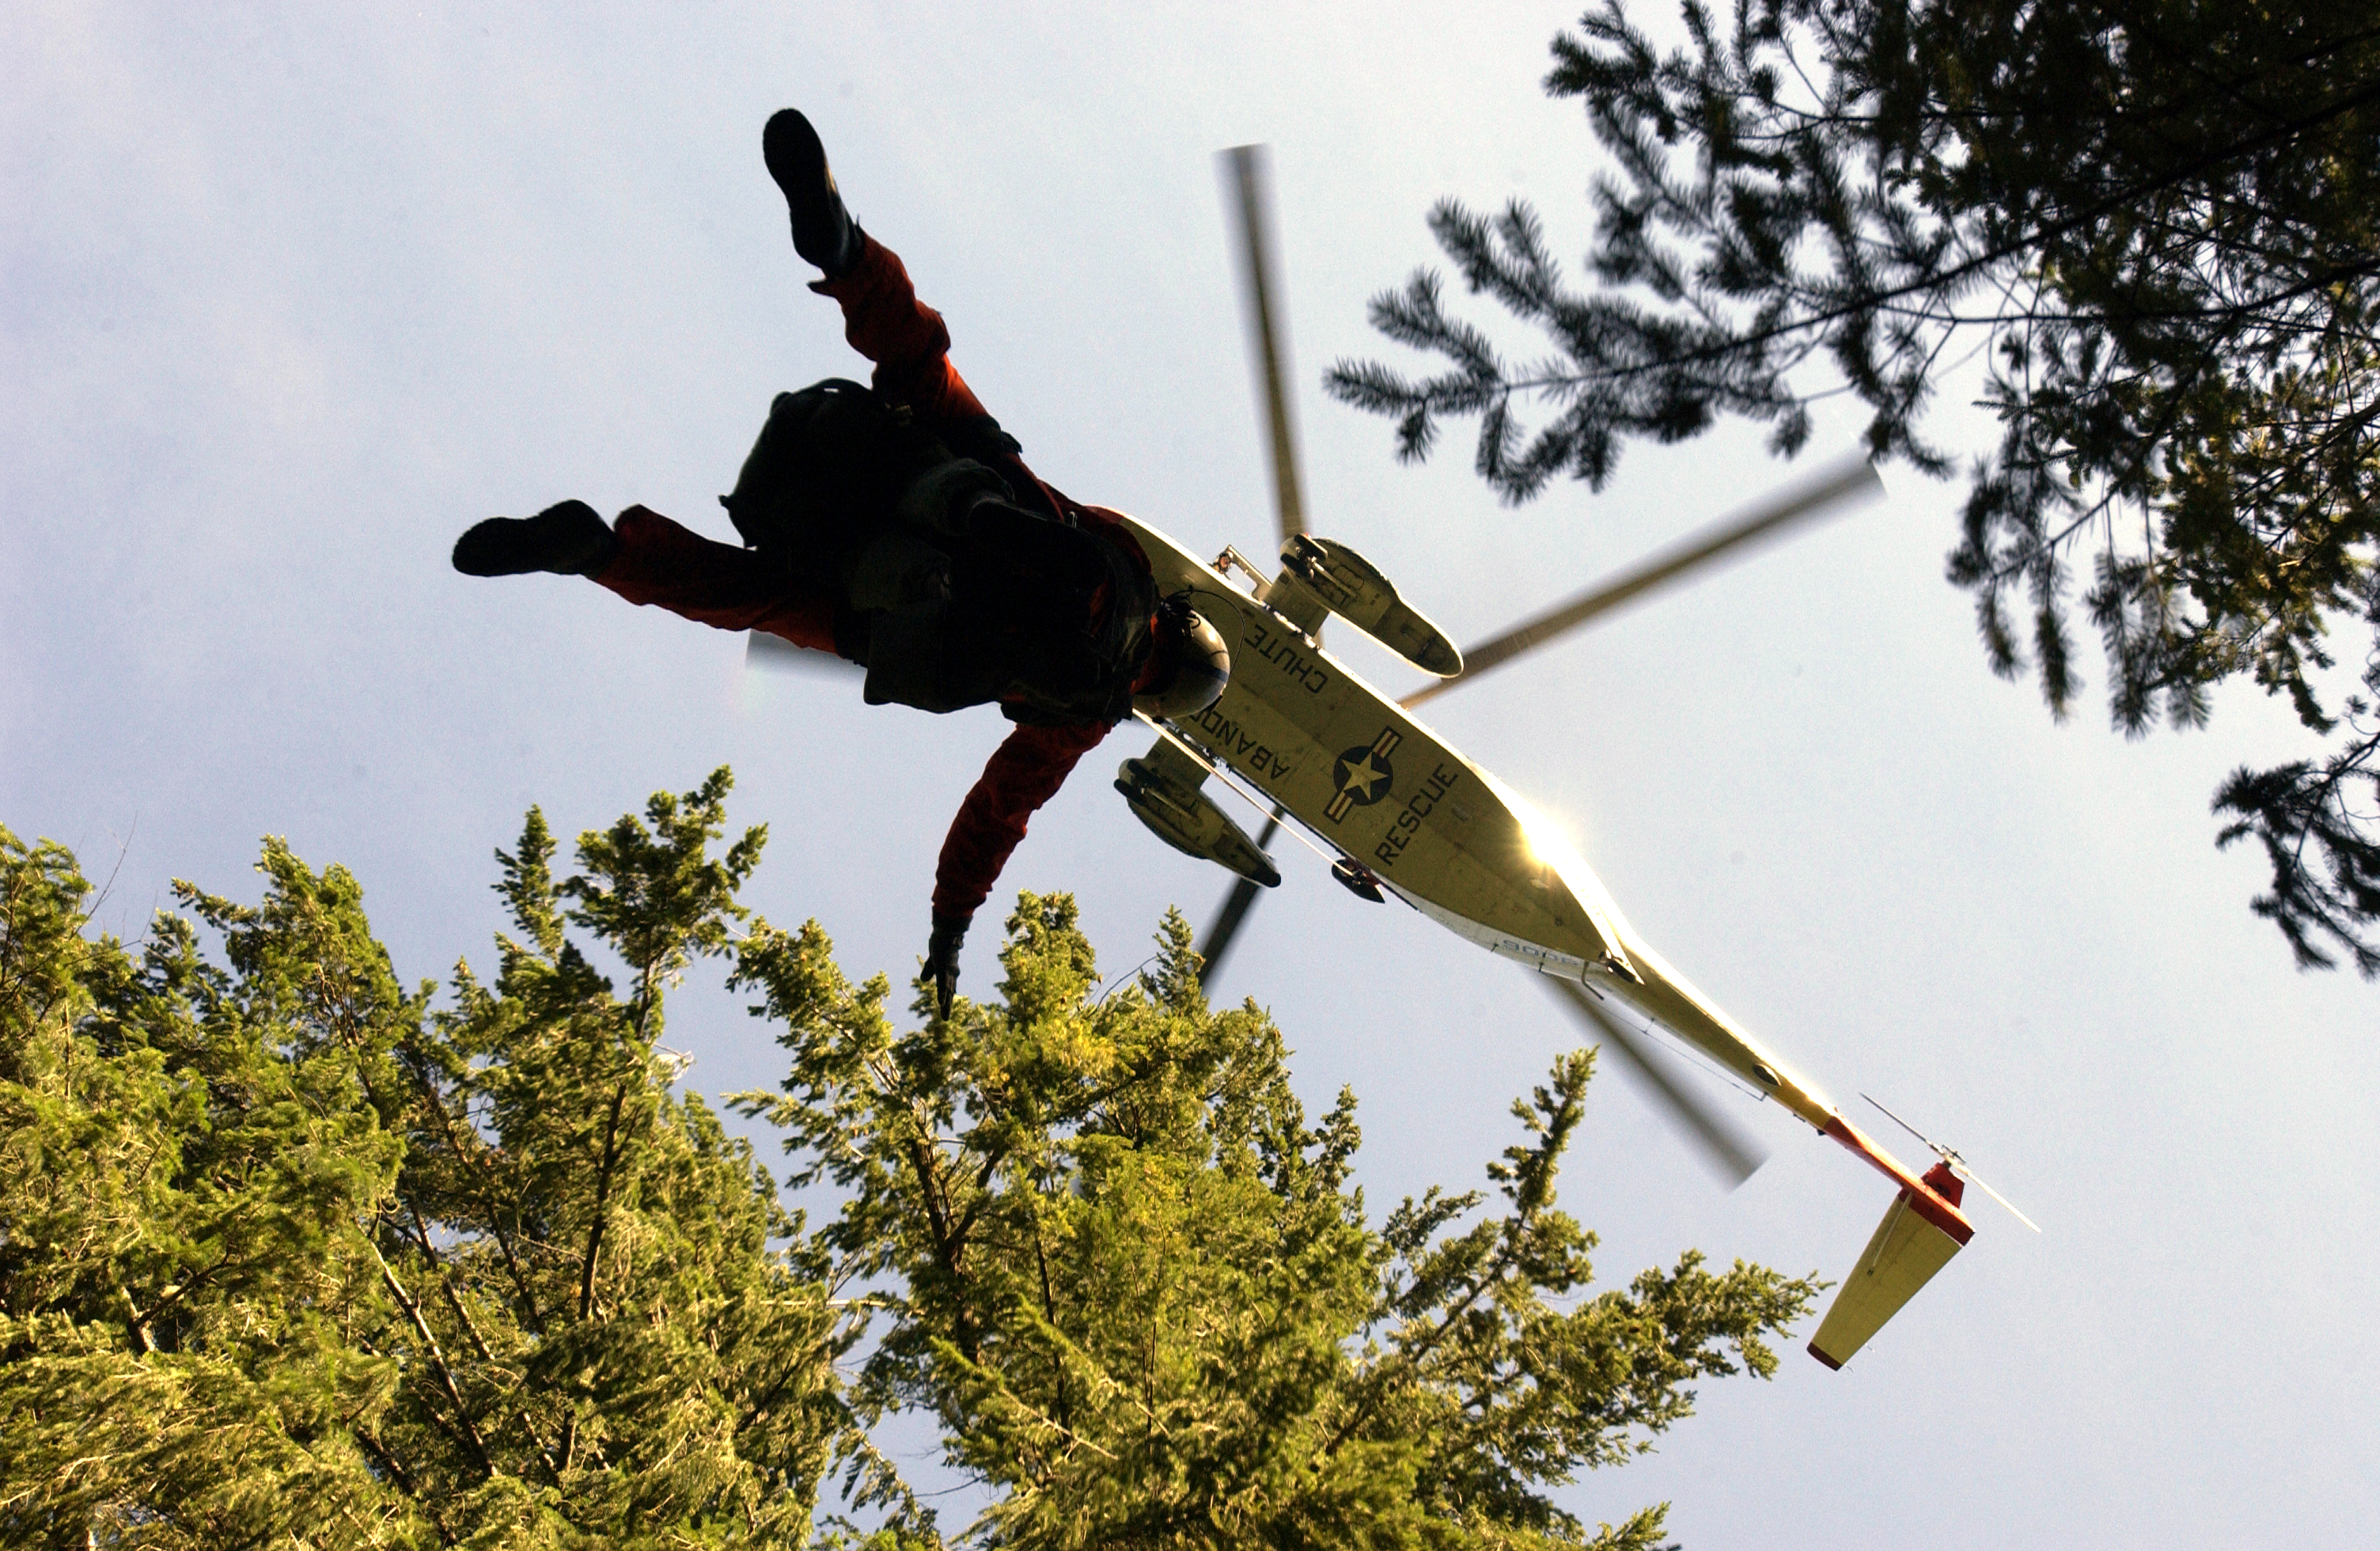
[1931, 1145]
[1723, 1148]
[1235, 910]
[777, 655]
[1996, 1195]
[1950, 1156]
[1249, 172]
[1831, 485]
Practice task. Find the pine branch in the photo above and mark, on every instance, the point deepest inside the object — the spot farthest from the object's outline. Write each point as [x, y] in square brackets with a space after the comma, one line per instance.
[602, 1202]
[475, 1155]
[471, 1329]
[470, 1434]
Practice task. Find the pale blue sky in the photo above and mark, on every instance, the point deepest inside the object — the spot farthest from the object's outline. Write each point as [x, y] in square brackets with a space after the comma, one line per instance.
[292, 294]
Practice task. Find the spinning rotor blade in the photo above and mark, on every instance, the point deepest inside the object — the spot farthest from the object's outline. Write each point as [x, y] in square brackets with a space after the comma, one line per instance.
[1832, 484]
[1260, 301]
[1950, 1156]
[778, 655]
[1235, 909]
[1725, 1150]
[1250, 199]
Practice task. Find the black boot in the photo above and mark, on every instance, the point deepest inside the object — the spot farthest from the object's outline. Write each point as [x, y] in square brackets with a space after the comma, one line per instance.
[569, 538]
[823, 231]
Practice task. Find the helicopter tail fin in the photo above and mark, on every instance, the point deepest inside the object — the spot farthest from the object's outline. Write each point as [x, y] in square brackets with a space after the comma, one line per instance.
[1921, 1231]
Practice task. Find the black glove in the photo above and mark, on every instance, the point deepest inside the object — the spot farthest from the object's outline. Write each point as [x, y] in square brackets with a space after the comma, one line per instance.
[943, 958]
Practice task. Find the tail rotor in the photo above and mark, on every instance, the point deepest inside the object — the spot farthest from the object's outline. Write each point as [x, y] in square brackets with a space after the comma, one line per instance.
[1952, 1158]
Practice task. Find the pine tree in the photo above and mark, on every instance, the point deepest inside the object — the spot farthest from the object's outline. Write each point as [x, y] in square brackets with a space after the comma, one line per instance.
[2163, 218]
[183, 1277]
[292, 1256]
[1107, 1250]
[292, 1259]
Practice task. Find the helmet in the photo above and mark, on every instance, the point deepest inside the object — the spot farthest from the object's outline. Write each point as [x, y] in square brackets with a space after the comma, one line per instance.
[1189, 666]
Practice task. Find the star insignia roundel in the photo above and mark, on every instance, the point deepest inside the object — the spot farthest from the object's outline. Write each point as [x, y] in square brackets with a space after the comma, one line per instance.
[1362, 775]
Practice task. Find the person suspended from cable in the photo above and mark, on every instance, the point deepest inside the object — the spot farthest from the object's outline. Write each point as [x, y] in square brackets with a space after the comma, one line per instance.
[895, 524]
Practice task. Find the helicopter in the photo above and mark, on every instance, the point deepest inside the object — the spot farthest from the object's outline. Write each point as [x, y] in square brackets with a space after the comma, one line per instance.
[1405, 816]
[1400, 814]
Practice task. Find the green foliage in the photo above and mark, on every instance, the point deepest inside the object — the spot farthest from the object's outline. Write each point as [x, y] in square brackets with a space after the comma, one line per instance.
[184, 1160]
[1106, 1248]
[288, 1258]
[2163, 218]
[291, 1255]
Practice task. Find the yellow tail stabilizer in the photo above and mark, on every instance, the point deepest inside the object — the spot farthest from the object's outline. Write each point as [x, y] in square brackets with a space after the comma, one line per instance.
[1921, 1231]
[1901, 1257]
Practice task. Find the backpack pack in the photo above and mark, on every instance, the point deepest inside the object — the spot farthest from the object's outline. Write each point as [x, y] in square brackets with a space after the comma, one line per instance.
[825, 476]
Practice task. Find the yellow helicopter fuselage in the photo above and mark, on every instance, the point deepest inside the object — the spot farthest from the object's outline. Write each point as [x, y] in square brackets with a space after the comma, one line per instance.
[1370, 780]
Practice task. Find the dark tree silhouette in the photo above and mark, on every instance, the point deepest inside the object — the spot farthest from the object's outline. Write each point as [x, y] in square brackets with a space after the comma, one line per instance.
[2161, 218]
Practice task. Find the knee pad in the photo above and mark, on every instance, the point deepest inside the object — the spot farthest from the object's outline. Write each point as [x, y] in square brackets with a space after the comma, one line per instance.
[895, 567]
[916, 659]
